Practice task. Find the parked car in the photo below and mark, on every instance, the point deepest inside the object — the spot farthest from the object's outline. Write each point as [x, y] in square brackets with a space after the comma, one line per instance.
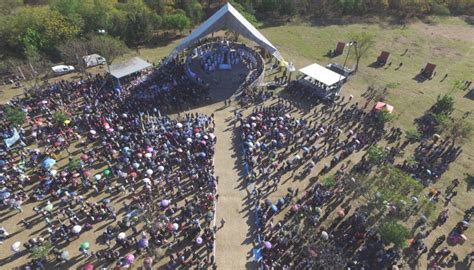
[62, 69]
[93, 60]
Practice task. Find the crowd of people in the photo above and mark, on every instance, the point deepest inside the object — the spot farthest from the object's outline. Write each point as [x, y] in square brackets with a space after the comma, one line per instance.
[147, 181]
[276, 143]
[150, 178]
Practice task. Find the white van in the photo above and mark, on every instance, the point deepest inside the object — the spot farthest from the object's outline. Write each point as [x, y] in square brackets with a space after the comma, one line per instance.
[62, 69]
[93, 60]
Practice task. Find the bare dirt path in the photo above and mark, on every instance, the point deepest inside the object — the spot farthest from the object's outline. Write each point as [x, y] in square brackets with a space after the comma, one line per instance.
[233, 239]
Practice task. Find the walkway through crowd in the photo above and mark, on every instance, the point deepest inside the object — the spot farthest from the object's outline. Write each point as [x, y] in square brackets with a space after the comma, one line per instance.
[233, 240]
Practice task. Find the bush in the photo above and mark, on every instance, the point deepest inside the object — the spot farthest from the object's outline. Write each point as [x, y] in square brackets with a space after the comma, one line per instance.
[385, 116]
[60, 117]
[444, 105]
[41, 251]
[392, 232]
[440, 9]
[14, 115]
[329, 181]
[377, 155]
[177, 21]
[73, 164]
[413, 135]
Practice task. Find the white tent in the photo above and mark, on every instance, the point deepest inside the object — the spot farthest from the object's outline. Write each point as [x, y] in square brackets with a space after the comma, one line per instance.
[128, 67]
[322, 74]
[228, 17]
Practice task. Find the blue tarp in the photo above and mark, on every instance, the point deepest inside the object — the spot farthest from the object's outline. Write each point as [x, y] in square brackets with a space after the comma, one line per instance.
[48, 163]
[257, 254]
[13, 139]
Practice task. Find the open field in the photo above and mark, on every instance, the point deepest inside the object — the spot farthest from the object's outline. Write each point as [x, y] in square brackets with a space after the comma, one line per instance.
[449, 43]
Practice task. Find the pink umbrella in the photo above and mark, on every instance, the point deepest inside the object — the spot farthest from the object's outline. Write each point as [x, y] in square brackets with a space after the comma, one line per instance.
[203, 142]
[84, 157]
[89, 266]
[149, 149]
[267, 245]
[130, 258]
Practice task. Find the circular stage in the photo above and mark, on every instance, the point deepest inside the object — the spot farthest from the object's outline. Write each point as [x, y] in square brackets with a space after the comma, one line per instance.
[225, 67]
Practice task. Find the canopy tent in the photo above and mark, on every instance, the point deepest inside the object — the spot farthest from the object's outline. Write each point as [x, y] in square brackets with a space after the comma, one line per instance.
[228, 17]
[126, 68]
[322, 74]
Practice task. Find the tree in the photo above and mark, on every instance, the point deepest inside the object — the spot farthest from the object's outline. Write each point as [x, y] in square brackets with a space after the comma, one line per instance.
[42, 250]
[444, 105]
[177, 21]
[107, 46]
[385, 116]
[247, 12]
[73, 50]
[60, 117]
[73, 164]
[157, 5]
[14, 115]
[377, 154]
[192, 8]
[363, 42]
[412, 135]
[140, 22]
[392, 232]
[8, 6]
[458, 129]
[329, 181]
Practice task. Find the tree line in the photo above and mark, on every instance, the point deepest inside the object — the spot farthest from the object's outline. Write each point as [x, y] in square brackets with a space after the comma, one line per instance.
[39, 29]
[359, 7]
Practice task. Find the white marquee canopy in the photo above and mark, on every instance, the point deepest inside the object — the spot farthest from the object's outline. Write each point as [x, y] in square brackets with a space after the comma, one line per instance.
[322, 74]
[128, 67]
[228, 17]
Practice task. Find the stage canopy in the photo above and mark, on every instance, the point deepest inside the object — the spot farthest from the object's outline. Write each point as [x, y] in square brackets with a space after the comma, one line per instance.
[322, 74]
[126, 68]
[228, 17]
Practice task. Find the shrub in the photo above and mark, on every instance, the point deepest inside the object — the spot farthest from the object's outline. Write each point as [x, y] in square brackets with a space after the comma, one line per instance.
[440, 9]
[14, 115]
[329, 181]
[385, 116]
[392, 232]
[444, 105]
[377, 155]
[59, 117]
[412, 135]
[41, 251]
[73, 164]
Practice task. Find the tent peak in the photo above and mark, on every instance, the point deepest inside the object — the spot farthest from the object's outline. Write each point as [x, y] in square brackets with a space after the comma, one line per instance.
[228, 17]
